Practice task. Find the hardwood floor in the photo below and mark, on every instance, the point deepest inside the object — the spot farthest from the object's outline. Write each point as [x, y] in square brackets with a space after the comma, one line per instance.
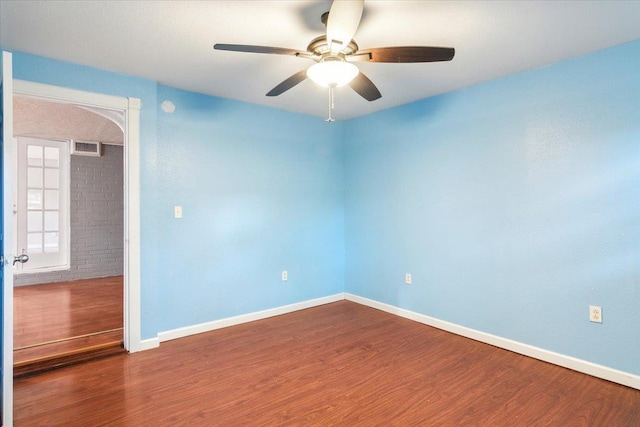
[339, 364]
[60, 323]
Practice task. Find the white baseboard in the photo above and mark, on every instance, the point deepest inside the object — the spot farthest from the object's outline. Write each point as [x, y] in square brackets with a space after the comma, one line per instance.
[610, 374]
[244, 318]
[147, 344]
[589, 368]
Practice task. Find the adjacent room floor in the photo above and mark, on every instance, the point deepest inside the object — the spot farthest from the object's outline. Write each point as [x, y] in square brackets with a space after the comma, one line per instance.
[338, 364]
[60, 323]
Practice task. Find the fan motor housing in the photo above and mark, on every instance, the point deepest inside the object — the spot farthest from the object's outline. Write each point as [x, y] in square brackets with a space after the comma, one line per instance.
[320, 47]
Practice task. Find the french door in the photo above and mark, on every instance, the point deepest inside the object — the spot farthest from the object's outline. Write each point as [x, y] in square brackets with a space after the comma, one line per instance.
[41, 204]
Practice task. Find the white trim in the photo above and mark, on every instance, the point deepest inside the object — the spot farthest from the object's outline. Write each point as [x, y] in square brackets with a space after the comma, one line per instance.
[131, 108]
[132, 336]
[589, 368]
[7, 250]
[68, 95]
[244, 318]
[148, 344]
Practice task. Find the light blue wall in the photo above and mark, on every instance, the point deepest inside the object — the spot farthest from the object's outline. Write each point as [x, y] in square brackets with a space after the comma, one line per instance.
[261, 192]
[515, 204]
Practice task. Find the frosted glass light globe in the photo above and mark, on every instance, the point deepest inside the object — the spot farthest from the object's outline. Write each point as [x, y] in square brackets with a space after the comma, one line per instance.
[332, 71]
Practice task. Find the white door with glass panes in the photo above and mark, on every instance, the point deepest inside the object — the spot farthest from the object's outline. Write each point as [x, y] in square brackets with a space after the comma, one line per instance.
[42, 204]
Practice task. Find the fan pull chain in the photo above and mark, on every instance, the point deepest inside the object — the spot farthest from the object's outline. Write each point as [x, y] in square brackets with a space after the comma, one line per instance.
[331, 105]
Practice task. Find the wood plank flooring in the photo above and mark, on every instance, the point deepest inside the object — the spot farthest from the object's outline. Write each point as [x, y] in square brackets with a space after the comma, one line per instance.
[56, 324]
[339, 364]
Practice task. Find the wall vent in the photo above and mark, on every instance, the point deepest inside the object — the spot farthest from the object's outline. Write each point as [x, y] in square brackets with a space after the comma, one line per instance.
[86, 148]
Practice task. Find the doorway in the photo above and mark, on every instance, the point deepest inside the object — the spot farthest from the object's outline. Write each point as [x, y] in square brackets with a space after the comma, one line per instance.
[129, 110]
[69, 219]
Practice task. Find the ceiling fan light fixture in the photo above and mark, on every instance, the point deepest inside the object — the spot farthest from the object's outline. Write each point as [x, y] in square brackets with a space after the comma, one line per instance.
[332, 72]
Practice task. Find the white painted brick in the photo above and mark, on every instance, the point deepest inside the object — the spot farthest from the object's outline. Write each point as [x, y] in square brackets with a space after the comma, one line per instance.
[97, 220]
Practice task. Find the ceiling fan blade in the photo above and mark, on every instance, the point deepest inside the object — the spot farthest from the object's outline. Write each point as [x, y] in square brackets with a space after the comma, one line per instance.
[288, 83]
[343, 21]
[365, 87]
[259, 49]
[409, 54]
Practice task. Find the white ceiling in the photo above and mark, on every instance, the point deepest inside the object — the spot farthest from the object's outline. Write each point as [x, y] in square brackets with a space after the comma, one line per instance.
[171, 42]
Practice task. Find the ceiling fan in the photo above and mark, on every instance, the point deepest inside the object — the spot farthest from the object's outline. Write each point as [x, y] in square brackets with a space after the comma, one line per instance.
[335, 53]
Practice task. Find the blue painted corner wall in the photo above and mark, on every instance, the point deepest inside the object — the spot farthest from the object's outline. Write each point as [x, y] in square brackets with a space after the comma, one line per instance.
[261, 192]
[514, 204]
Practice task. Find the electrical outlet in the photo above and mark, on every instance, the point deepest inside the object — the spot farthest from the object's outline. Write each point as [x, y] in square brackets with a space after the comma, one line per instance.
[407, 278]
[595, 314]
[285, 276]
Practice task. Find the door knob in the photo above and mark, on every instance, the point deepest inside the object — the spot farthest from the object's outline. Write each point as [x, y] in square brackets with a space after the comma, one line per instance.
[22, 258]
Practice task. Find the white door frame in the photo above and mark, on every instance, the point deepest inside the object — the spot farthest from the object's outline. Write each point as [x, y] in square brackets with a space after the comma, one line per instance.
[7, 242]
[131, 109]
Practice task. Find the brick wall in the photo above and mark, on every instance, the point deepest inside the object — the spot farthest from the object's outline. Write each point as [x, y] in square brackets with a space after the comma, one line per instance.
[97, 220]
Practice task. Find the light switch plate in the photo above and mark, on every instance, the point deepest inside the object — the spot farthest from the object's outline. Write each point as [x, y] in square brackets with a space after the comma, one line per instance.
[177, 211]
